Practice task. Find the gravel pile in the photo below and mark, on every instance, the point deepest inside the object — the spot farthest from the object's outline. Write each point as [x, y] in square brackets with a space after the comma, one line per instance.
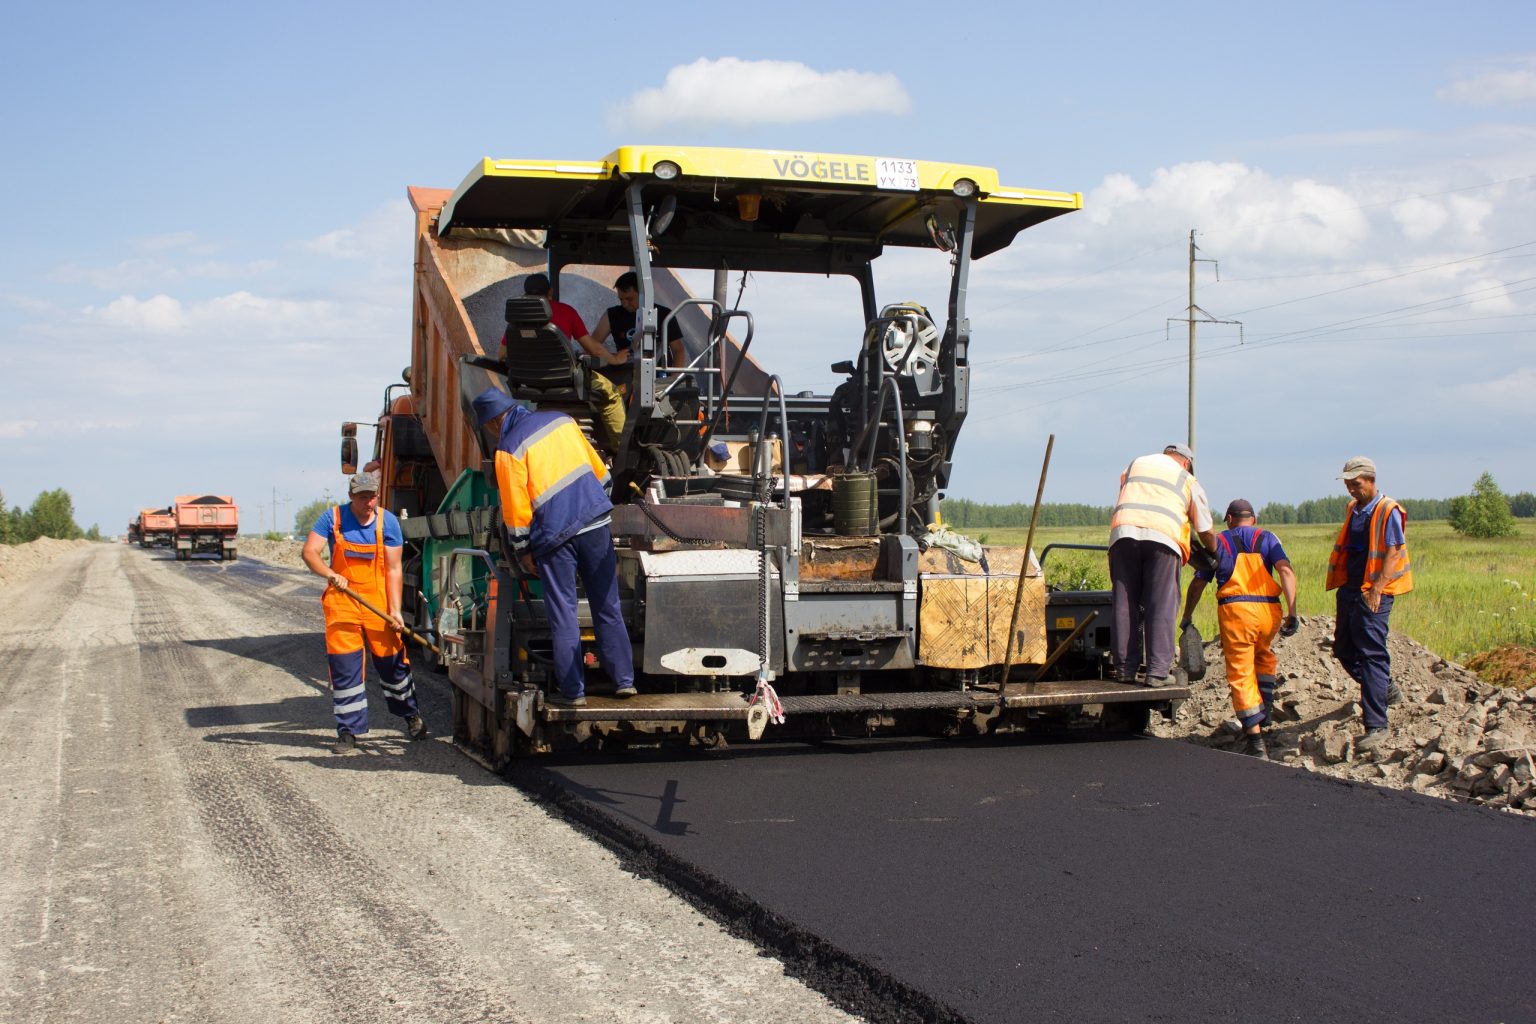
[21, 561]
[1453, 735]
[284, 553]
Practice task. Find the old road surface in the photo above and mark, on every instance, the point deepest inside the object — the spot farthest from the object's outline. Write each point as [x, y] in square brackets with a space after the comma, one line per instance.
[181, 847]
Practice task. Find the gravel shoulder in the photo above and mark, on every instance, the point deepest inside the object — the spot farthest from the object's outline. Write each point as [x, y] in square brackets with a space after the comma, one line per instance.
[184, 847]
[1453, 735]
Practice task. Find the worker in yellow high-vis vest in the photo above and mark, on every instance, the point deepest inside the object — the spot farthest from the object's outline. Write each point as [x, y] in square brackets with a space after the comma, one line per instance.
[1160, 504]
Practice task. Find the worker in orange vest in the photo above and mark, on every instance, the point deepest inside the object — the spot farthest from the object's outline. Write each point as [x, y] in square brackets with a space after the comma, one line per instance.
[1248, 615]
[1160, 504]
[1368, 568]
[365, 543]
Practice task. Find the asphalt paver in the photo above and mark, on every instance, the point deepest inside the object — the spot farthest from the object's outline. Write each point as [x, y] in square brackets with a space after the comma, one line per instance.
[1083, 880]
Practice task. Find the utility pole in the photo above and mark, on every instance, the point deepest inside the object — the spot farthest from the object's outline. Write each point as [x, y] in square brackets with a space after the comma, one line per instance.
[1196, 315]
[275, 499]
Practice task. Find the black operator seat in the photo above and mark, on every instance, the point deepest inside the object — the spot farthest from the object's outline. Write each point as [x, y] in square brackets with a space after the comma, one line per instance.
[542, 365]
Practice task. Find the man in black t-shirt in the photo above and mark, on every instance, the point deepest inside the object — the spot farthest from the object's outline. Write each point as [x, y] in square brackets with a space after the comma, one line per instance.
[619, 323]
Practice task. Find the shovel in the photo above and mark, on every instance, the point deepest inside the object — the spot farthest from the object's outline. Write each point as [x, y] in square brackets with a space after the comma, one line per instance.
[423, 641]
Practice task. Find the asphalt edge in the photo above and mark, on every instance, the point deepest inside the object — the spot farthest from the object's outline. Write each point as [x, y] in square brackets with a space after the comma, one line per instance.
[848, 982]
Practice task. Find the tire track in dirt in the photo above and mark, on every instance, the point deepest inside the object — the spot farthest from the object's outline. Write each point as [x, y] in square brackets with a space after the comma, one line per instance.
[373, 954]
[97, 896]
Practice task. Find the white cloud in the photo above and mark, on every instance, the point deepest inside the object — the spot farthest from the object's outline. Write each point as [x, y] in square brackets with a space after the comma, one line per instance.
[736, 92]
[1295, 217]
[1513, 393]
[1420, 218]
[1516, 84]
[11, 430]
[240, 314]
[155, 315]
[384, 233]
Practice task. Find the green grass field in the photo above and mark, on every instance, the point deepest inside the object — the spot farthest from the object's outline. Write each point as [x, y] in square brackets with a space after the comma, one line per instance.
[1469, 595]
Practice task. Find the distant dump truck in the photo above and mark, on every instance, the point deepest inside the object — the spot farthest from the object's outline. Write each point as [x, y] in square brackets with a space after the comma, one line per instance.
[206, 525]
[156, 528]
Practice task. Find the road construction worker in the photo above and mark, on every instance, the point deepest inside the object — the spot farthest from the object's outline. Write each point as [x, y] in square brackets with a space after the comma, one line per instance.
[604, 397]
[621, 323]
[1159, 505]
[554, 503]
[364, 564]
[1248, 615]
[1368, 568]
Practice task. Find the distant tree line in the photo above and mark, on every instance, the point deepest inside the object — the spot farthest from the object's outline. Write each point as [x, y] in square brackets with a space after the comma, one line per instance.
[52, 515]
[963, 513]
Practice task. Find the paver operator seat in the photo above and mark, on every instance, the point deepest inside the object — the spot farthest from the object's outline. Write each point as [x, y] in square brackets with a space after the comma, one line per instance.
[542, 366]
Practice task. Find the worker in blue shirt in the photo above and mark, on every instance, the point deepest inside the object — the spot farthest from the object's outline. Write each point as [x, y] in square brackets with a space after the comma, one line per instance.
[1248, 615]
[1368, 568]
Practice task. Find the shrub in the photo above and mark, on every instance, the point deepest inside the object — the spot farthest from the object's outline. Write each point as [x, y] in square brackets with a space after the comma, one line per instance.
[1483, 513]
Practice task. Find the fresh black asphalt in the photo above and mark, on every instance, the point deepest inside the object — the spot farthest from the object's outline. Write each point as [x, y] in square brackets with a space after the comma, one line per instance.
[1083, 880]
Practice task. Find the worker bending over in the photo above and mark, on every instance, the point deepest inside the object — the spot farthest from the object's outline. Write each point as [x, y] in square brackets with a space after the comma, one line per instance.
[1160, 502]
[1248, 615]
[554, 502]
[365, 543]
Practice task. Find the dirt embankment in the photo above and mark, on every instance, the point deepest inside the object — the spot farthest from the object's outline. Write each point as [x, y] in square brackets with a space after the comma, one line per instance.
[274, 552]
[21, 561]
[1453, 734]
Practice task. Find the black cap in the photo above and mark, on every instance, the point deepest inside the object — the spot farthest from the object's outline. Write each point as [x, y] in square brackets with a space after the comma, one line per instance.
[536, 284]
[1240, 507]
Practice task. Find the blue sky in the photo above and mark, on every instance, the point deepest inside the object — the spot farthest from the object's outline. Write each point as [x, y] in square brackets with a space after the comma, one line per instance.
[208, 262]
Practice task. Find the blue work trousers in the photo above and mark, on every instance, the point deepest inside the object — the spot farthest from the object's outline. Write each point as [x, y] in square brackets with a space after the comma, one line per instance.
[591, 555]
[1360, 644]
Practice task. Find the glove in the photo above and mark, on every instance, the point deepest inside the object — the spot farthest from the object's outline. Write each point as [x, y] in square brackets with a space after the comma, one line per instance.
[1203, 559]
[1290, 626]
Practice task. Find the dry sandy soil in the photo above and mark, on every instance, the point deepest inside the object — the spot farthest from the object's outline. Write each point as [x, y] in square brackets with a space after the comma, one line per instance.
[180, 844]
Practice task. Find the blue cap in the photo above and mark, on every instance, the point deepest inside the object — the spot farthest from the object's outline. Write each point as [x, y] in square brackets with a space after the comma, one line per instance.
[719, 450]
[490, 403]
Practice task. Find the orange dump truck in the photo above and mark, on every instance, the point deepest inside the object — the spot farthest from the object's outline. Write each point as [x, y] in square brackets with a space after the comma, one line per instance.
[156, 528]
[206, 524]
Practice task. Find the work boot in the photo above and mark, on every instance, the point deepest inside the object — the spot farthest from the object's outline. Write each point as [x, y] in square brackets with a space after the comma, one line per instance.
[1156, 682]
[562, 701]
[1394, 694]
[1372, 741]
[626, 692]
[1253, 746]
[345, 743]
[416, 728]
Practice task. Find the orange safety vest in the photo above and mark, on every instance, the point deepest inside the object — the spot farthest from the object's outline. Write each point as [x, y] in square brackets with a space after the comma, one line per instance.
[366, 576]
[1375, 551]
[1155, 493]
[1250, 581]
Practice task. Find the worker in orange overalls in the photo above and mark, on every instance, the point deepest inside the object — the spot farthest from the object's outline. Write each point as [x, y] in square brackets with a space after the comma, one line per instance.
[1248, 615]
[365, 543]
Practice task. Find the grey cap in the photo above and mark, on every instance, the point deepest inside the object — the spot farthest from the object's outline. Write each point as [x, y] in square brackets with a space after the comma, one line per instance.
[1240, 507]
[1358, 466]
[363, 482]
[1180, 449]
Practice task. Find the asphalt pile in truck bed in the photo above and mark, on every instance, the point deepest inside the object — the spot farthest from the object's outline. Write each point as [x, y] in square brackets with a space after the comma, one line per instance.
[1453, 735]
